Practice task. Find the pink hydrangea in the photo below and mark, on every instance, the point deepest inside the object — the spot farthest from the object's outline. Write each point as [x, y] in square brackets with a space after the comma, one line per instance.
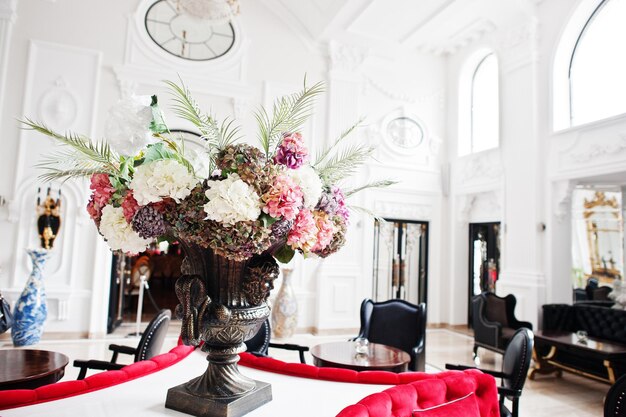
[325, 230]
[291, 152]
[102, 189]
[130, 206]
[303, 234]
[94, 209]
[283, 199]
[339, 197]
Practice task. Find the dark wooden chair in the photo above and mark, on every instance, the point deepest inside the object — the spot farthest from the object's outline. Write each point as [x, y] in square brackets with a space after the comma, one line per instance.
[396, 323]
[515, 365]
[494, 322]
[615, 401]
[149, 345]
[259, 344]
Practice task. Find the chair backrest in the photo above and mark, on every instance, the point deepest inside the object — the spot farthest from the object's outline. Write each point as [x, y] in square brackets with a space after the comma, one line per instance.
[499, 309]
[396, 323]
[615, 401]
[152, 338]
[259, 343]
[516, 359]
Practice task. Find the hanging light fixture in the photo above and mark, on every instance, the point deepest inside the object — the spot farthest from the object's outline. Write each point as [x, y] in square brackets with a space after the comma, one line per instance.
[215, 11]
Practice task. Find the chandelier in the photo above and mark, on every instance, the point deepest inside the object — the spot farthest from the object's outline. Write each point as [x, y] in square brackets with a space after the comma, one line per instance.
[215, 11]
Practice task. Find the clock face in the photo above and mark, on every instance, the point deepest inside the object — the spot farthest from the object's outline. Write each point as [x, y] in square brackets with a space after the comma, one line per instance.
[186, 36]
[405, 132]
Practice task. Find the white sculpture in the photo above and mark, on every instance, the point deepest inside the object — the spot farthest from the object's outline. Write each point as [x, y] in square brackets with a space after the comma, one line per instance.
[619, 294]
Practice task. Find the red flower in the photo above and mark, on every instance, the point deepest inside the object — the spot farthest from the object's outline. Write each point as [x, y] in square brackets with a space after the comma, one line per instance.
[94, 209]
[102, 189]
[130, 206]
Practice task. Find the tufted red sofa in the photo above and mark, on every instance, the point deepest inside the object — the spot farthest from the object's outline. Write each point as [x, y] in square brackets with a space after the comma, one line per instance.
[24, 397]
[413, 390]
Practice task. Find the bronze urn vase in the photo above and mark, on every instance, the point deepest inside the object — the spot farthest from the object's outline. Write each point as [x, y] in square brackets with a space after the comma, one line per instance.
[222, 303]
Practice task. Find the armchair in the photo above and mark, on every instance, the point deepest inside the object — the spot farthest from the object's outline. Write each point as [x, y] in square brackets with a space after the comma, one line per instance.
[396, 323]
[515, 365]
[149, 346]
[260, 343]
[494, 322]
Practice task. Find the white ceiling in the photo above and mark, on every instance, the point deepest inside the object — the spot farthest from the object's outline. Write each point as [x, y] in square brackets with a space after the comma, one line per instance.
[433, 26]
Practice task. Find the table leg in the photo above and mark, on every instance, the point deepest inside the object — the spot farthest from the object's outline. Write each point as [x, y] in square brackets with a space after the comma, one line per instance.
[541, 366]
[610, 371]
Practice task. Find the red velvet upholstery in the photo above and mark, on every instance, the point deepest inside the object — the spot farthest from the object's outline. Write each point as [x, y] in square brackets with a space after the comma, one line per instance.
[413, 389]
[23, 397]
[461, 407]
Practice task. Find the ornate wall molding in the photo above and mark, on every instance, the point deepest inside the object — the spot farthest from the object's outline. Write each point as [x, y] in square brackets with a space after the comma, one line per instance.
[8, 17]
[436, 98]
[562, 198]
[519, 46]
[479, 206]
[472, 33]
[483, 167]
[598, 150]
[348, 58]
[403, 210]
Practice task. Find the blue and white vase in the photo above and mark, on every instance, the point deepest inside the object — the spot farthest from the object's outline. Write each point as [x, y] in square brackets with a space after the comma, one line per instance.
[31, 310]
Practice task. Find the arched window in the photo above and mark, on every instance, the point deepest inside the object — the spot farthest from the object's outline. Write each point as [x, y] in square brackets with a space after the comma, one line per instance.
[479, 121]
[590, 65]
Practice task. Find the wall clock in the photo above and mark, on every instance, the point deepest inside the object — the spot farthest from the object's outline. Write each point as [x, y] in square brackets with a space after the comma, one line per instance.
[187, 36]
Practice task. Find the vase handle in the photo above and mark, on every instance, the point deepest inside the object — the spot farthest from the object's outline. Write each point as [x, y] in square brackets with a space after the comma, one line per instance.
[194, 301]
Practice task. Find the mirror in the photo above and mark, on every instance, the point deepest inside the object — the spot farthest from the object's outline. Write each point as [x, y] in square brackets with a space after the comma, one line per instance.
[597, 236]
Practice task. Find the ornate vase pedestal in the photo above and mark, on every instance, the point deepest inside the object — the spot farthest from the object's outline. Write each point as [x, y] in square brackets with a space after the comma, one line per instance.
[30, 310]
[285, 310]
[222, 303]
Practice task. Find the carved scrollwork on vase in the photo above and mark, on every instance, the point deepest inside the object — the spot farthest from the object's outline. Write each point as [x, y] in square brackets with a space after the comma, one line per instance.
[260, 281]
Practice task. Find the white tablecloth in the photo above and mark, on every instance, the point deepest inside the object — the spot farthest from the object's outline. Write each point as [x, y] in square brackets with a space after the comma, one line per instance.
[146, 396]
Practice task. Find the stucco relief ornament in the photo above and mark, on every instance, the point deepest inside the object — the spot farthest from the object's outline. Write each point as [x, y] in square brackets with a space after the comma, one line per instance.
[255, 206]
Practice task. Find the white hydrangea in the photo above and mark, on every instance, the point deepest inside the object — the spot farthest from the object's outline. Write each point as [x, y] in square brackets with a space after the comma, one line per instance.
[309, 182]
[232, 200]
[154, 181]
[127, 128]
[118, 233]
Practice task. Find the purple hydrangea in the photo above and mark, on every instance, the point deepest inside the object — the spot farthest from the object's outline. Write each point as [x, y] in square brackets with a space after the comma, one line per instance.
[291, 152]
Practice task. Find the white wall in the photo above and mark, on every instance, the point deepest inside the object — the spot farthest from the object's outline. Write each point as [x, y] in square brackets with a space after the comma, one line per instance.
[70, 60]
[529, 179]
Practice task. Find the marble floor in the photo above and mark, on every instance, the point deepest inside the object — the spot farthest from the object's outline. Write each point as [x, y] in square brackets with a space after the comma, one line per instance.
[570, 396]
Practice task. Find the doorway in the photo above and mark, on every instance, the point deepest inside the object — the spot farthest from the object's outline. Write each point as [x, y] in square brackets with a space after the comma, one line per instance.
[143, 284]
[400, 260]
[484, 260]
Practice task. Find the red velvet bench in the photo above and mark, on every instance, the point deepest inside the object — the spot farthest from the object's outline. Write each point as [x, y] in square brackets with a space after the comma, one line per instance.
[24, 397]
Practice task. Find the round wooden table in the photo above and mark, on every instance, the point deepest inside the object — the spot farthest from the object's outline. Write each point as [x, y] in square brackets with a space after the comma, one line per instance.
[343, 355]
[28, 368]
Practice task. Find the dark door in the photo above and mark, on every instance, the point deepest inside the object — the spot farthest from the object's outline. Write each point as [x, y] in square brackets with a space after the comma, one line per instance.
[484, 260]
[400, 260]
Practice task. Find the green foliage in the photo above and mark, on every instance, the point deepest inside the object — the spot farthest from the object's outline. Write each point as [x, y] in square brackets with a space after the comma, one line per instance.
[324, 152]
[285, 254]
[217, 136]
[374, 184]
[289, 113]
[83, 158]
[344, 163]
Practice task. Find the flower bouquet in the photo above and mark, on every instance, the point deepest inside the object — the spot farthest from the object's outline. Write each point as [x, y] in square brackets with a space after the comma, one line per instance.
[253, 207]
[145, 184]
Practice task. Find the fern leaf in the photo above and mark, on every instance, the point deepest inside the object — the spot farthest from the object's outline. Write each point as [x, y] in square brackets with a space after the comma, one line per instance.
[374, 184]
[323, 154]
[289, 113]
